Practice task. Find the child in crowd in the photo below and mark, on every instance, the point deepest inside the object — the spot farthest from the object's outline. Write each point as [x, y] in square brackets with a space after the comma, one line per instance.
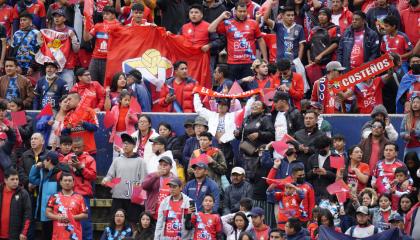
[339, 143]
[400, 186]
[207, 224]
[381, 215]
[313, 224]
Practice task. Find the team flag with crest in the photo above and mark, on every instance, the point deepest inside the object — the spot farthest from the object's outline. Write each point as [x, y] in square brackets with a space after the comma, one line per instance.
[152, 51]
[55, 47]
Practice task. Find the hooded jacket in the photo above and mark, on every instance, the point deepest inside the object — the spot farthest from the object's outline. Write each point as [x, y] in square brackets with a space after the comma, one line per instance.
[84, 177]
[94, 91]
[390, 131]
[151, 184]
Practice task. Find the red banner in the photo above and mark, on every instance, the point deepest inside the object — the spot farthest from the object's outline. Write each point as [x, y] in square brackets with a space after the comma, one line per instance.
[152, 51]
[362, 73]
[208, 92]
[55, 47]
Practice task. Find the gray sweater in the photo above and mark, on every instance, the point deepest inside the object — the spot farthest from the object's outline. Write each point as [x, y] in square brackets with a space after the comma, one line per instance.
[131, 171]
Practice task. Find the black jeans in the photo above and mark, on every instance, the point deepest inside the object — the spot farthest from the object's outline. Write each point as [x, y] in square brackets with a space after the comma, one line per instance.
[239, 71]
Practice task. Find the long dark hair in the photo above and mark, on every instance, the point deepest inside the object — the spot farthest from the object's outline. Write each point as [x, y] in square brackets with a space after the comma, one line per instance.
[400, 211]
[413, 170]
[112, 222]
[326, 213]
[143, 233]
[114, 83]
[240, 214]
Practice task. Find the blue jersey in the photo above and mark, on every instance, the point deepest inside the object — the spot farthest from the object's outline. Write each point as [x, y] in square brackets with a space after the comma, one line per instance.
[28, 46]
[288, 40]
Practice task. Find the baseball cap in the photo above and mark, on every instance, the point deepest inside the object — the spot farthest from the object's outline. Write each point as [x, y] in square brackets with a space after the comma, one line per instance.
[52, 156]
[395, 217]
[256, 211]
[189, 122]
[59, 11]
[3, 135]
[362, 209]
[166, 159]
[335, 66]
[200, 165]
[127, 138]
[159, 139]
[55, 64]
[175, 181]
[238, 170]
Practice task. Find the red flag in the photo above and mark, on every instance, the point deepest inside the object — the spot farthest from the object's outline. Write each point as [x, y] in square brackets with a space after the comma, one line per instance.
[239, 118]
[135, 106]
[88, 8]
[114, 182]
[139, 195]
[338, 186]
[337, 162]
[279, 182]
[280, 147]
[109, 120]
[55, 47]
[287, 137]
[203, 158]
[18, 118]
[341, 196]
[236, 88]
[152, 51]
[46, 111]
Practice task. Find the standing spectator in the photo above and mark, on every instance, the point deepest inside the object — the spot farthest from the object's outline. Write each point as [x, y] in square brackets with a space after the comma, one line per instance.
[139, 90]
[59, 16]
[323, 124]
[159, 151]
[24, 131]
[290, 82]
[62, 5]
[176, 95]
[260, 78]
[339, 146]
[36, 9]
[290, 35]
[101, 32]
[15, 208]
[294, 231]
[112, 96]
[285, 117]
[373, 146]
[201, 185]
[276, 234]
[80, 122]
[221, 78]
[359, 44]
[411, 225]
[165, 131]
[409, 85]
[397, 221]
[282, 168]
[212, 9]
[173, 211]
[298, 177]
[234, 225]
[188, 132]
[384, 172]
[240, 188]
[376, 15]
[380, 113]
[31, 157]
[118, 228]
[341, 16]
[50, 88]
[144, 133]
[356, 173]
[67, 209]
[410, 127]
[174, 14]
[241, 40]
[318, 168]
[130, 14]
[411, 160]
[14, 85]
[406, 21]
[155, 184]
[7, 142]
[25, 43]
[132, 170]
[307, 137]
[259, 230]
[146, 229]
[83, 169]
[404, 204]
[3, 35]
[92, 91]
[44, 174]
[199, 126]
[6, 13]
[212, 223]
[363, 228]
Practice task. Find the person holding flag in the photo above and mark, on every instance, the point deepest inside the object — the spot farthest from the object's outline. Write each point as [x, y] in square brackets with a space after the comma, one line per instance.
[92, 92]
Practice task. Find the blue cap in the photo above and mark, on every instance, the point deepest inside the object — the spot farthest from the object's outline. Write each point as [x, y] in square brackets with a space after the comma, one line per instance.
[200, 165]
[256, 211]
[395, 217]
[52, 156]
[175, 181]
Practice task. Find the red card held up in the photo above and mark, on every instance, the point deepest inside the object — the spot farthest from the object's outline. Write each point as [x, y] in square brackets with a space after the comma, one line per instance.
[337, 162]
[341, 196]
[114, 182]
[338, 186]
[280, 147]
[18, 118]
[268, 96]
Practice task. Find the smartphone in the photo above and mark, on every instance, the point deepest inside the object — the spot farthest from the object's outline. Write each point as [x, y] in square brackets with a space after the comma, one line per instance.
[171, 91]
[192, 203]
[74, 158]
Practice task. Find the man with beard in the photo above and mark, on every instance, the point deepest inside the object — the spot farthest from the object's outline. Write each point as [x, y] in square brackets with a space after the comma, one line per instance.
[363, 228]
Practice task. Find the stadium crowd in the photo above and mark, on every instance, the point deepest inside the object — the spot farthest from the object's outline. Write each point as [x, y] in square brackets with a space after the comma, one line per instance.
[259, 162]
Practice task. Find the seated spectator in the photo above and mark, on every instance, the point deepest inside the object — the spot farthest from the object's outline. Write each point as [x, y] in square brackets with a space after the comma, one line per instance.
[397, 221]
[293, 229]
[65, 146]
[401, 185]
[384, 172]
[118, 227]
[131, 169]
[404, 204]
[411, 225]
[239, 189]
[139, 90]
[144, 133]
[259, 230]
[221, 78]
[146, 227]
[290, 82]
[409, 85]
[381, 215]
[373, 146]
[200, 125]
[410, 127]
[26, 130]
[50, 88]
[380, 113]
[210, 219]
[91, 91]
[323, 123]
[14, 85]
[159, 151]
[363, 228]
[356, 173]
[234, 225]
[325, 218]
[176, 94]
[118, 84]
[80, 122]
[339, 146]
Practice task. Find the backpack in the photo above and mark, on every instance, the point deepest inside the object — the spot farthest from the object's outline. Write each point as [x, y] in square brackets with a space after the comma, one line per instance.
[375, 230]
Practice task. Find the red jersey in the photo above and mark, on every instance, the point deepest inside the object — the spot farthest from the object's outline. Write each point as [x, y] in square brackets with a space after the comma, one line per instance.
[5, 212]
[197, 34]
[399, 44]
[164, 191]
[271, 42]
[37, 10]
[241, 37]
[384, 174]
[6, 18]
[357, 53]
[69, 206]
[352, 178]
[410, 25]
[101, 33]
[322, 93]
[207, 226]
[289, 206]
[369, 95]
[126, 17]
[173, 223]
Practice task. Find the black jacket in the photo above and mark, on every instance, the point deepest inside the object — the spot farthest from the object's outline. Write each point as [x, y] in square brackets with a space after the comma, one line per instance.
[28, 159]
[174, 144]
[233, 194]
[174, 14]
[262, 125]
[20, 212]
[320, 183]
[308, 140]
[6, 150]
[294, 120]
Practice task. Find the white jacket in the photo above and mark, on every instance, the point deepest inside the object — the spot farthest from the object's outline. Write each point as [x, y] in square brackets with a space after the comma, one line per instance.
[213, 118]
[153, 163]
[148, 147]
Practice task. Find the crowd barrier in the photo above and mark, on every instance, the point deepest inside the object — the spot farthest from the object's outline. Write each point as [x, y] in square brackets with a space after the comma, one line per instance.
[349, 125]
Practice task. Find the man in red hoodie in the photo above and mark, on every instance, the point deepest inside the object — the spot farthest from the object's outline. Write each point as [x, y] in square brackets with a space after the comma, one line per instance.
[259, 230]
[83, 168]
[92, 92]
[409, 23]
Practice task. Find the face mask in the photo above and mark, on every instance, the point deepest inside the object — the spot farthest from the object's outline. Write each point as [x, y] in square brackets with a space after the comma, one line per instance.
[300, 180]
[416, 68]
[290, 152]
[51, 76]
[323, 152]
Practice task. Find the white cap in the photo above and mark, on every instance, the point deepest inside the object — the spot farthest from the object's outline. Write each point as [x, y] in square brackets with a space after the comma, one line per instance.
[238, 170]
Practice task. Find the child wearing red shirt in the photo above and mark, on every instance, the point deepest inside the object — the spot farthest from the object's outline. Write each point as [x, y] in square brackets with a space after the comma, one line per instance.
[207, 225]
[400, 186]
